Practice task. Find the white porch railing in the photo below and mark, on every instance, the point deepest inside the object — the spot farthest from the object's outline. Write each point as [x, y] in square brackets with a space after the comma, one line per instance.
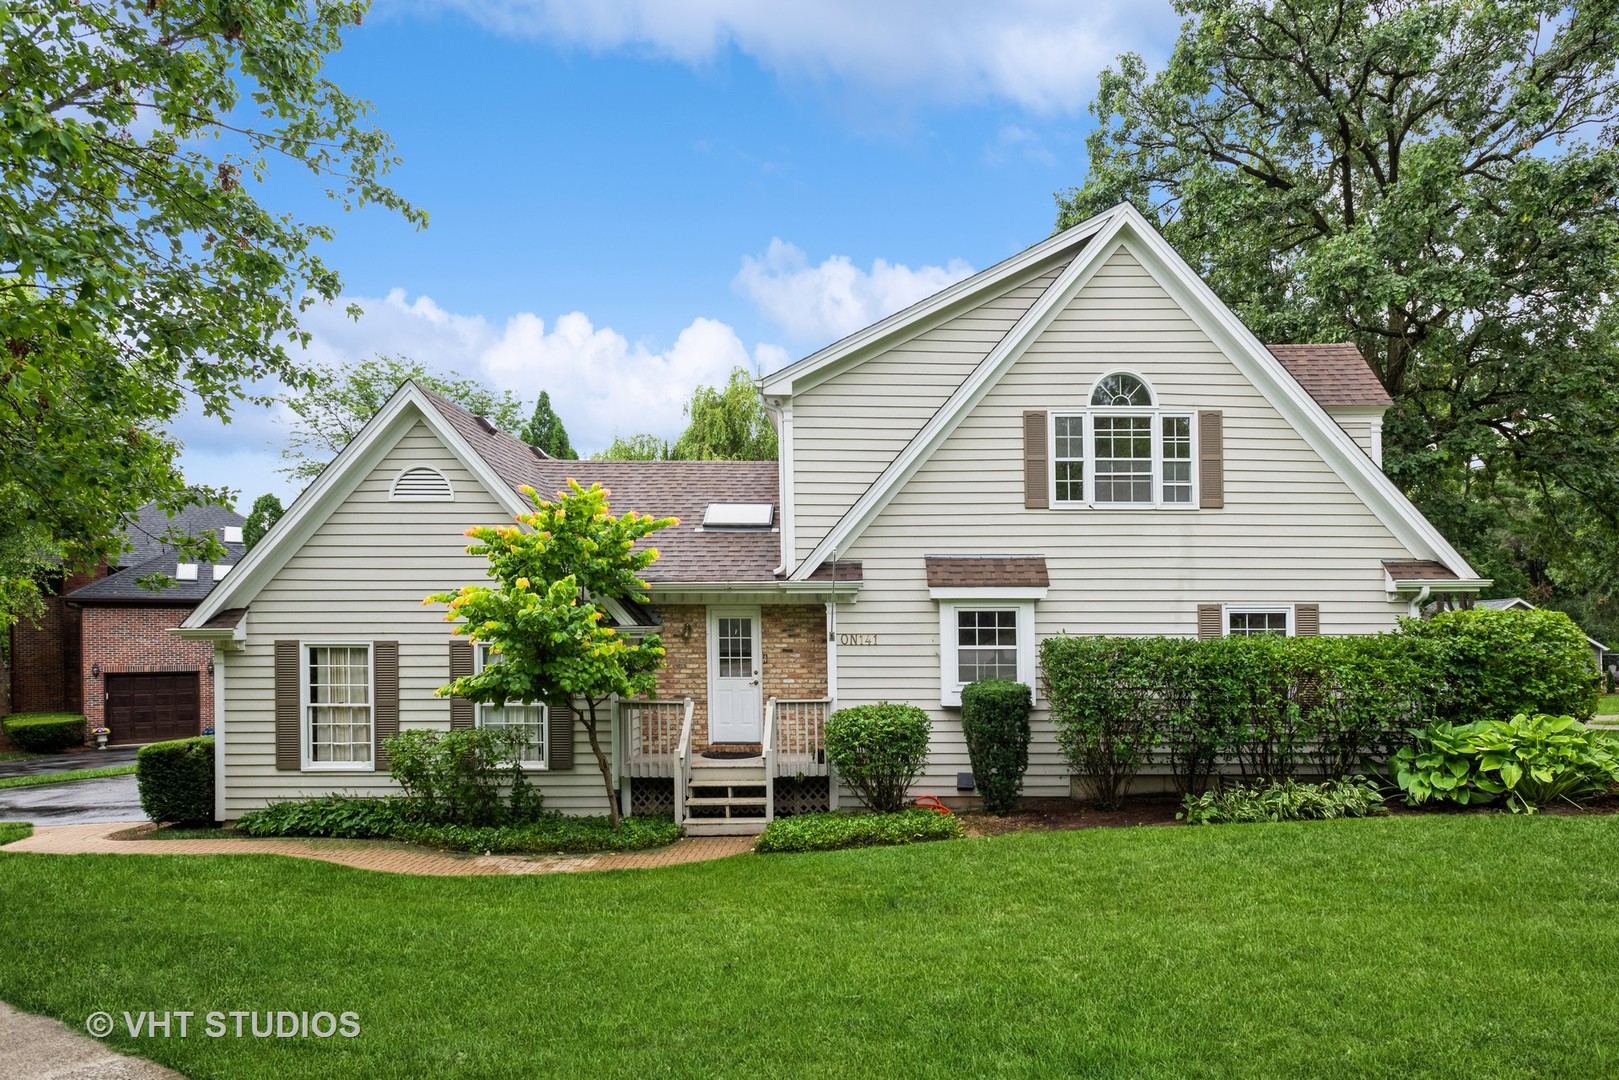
[683, 764]
[795, 736]
[650, 733]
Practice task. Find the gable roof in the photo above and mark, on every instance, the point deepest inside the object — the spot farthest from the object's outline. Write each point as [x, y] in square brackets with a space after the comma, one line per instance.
[124, 587]
[1333, 374]
[1102, 235]
[503, 465]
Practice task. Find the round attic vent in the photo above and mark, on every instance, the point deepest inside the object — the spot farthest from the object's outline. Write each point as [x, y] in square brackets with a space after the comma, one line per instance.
[421, 483]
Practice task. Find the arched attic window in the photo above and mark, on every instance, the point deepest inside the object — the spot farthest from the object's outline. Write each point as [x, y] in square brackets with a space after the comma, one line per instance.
[1121, 390]
[421, 483]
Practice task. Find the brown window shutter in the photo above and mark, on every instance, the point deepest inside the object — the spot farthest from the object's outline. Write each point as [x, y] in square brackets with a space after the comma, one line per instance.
[1036, 488]
[559, 737]
[1208, 620]
[462, 713]
[1306, 620]
[1211, 459]
[288, 721]
[384, 699]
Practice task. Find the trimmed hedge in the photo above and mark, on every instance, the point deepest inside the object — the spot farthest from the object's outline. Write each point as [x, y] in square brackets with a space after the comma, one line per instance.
[44, 733]
[176, 780]
[1275, 704]
[351, 818]
[878, 750]
[995, 722]
[834, 831]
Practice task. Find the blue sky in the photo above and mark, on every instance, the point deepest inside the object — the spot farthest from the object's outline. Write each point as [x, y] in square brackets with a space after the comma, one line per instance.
[627, 197]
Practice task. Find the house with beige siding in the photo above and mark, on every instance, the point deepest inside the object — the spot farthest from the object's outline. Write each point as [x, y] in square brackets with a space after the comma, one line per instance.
[1081, 439]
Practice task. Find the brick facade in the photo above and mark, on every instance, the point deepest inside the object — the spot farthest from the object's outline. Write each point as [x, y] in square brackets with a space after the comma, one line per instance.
[137, 639]
[792, 638]
[45, 655]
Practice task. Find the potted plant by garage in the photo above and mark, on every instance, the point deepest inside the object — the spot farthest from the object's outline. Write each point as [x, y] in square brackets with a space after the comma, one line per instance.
[101, 734]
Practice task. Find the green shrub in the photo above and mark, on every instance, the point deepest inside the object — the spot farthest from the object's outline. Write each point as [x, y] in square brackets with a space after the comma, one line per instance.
[878, 750]
[1495, 664]
[12, 831]
[1112, 703]
[1533, 760]
[352, 818]
[830, 832]
[345, 817]
[456, 777]
[176, 780]
[548, 833]
[44, 733]
[995, 721]
[1285, 800]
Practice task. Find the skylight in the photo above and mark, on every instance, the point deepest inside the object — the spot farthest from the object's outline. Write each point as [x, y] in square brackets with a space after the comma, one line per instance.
[739, 516]
[186, 571]
[233, 534]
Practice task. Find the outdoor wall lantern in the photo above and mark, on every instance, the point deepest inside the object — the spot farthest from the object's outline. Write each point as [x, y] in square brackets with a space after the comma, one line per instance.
[685, 631]
[95, 671]
[210, 667]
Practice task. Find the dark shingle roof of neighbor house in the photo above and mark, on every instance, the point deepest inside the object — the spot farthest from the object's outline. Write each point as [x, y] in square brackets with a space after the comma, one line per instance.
[1333, 374]
[680, 489]
[1418, 570]
[979, 571]
[145, 530]
[123, 587]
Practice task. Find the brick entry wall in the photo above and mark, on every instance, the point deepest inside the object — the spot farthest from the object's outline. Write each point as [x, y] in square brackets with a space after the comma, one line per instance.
[793, 640]
[137, 639]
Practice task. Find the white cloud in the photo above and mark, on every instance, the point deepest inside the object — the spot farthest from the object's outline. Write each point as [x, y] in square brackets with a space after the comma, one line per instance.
[600, 382]
[827, 301]
[1040, 54]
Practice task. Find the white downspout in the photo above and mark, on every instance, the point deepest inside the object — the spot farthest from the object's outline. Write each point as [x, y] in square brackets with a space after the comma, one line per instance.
[1420, 599]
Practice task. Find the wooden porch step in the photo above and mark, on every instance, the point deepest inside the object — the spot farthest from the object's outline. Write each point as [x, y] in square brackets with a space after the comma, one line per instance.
[729, 800]
[725, 826]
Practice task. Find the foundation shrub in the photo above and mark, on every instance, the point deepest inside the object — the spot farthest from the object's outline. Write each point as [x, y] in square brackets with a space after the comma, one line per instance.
[995, 721]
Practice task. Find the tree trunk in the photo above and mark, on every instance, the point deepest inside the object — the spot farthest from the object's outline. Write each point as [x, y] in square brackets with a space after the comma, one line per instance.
[602, 764]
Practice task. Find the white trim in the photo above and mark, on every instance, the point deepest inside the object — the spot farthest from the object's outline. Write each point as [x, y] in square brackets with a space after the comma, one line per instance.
[478, 707]
[306, 762]
[219, 732]
[1124, 226]
[336, 482]
[806, 373]
[421, 466]
[1228, 610]
[987, 592]
[950, 685]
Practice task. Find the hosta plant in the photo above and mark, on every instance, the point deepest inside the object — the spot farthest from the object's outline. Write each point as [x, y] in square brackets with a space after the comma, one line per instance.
[1532, 759]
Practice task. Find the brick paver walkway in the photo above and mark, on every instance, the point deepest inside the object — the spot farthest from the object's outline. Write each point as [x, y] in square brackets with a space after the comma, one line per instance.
[375, 854]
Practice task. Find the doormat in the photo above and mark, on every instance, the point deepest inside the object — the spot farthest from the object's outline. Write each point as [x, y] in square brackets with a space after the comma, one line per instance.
[728, 755]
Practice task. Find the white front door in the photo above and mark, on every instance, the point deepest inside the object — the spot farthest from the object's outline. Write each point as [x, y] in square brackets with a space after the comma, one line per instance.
[735, 709]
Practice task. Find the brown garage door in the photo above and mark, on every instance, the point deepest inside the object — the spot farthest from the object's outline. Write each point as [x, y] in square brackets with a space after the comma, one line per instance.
[150, 706]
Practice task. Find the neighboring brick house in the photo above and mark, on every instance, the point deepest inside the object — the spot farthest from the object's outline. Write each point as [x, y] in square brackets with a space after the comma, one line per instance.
[103, 636]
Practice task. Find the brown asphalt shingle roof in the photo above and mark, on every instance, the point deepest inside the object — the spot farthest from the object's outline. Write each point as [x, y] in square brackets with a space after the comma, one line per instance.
[980, 571]
[680, 489]
[1418, 570]
[1333, 374]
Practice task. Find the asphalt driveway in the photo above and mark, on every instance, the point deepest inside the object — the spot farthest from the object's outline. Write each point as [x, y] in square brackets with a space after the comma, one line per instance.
[76, 802]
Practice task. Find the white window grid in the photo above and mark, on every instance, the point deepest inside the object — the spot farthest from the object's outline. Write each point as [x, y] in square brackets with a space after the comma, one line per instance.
[338, 705]
[1252, 620]
[531, 719]
[1123, 458]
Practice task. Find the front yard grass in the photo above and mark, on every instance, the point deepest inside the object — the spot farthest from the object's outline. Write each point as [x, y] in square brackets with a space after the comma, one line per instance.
[1609, 705]
[66, 777]
[1416, 945]
[12, 831]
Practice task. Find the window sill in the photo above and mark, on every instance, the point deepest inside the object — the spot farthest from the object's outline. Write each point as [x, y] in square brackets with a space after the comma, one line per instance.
[1124, 506]
[341, 767]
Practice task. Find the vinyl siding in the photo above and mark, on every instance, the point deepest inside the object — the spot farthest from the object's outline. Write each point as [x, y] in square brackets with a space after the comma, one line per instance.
[848, 429]
[1291, 530]
[1358, 428]
[362, 577]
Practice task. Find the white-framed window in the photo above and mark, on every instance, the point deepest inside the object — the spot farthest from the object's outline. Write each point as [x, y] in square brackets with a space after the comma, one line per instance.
[1137, 453]
[984, 637]
[531, 719]
[1252, 620]
[338, 703]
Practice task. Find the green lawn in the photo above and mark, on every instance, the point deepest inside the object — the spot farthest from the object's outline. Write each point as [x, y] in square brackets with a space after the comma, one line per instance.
[1609, 705]
[12, 831]
[1439, 945]
[64, 777]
